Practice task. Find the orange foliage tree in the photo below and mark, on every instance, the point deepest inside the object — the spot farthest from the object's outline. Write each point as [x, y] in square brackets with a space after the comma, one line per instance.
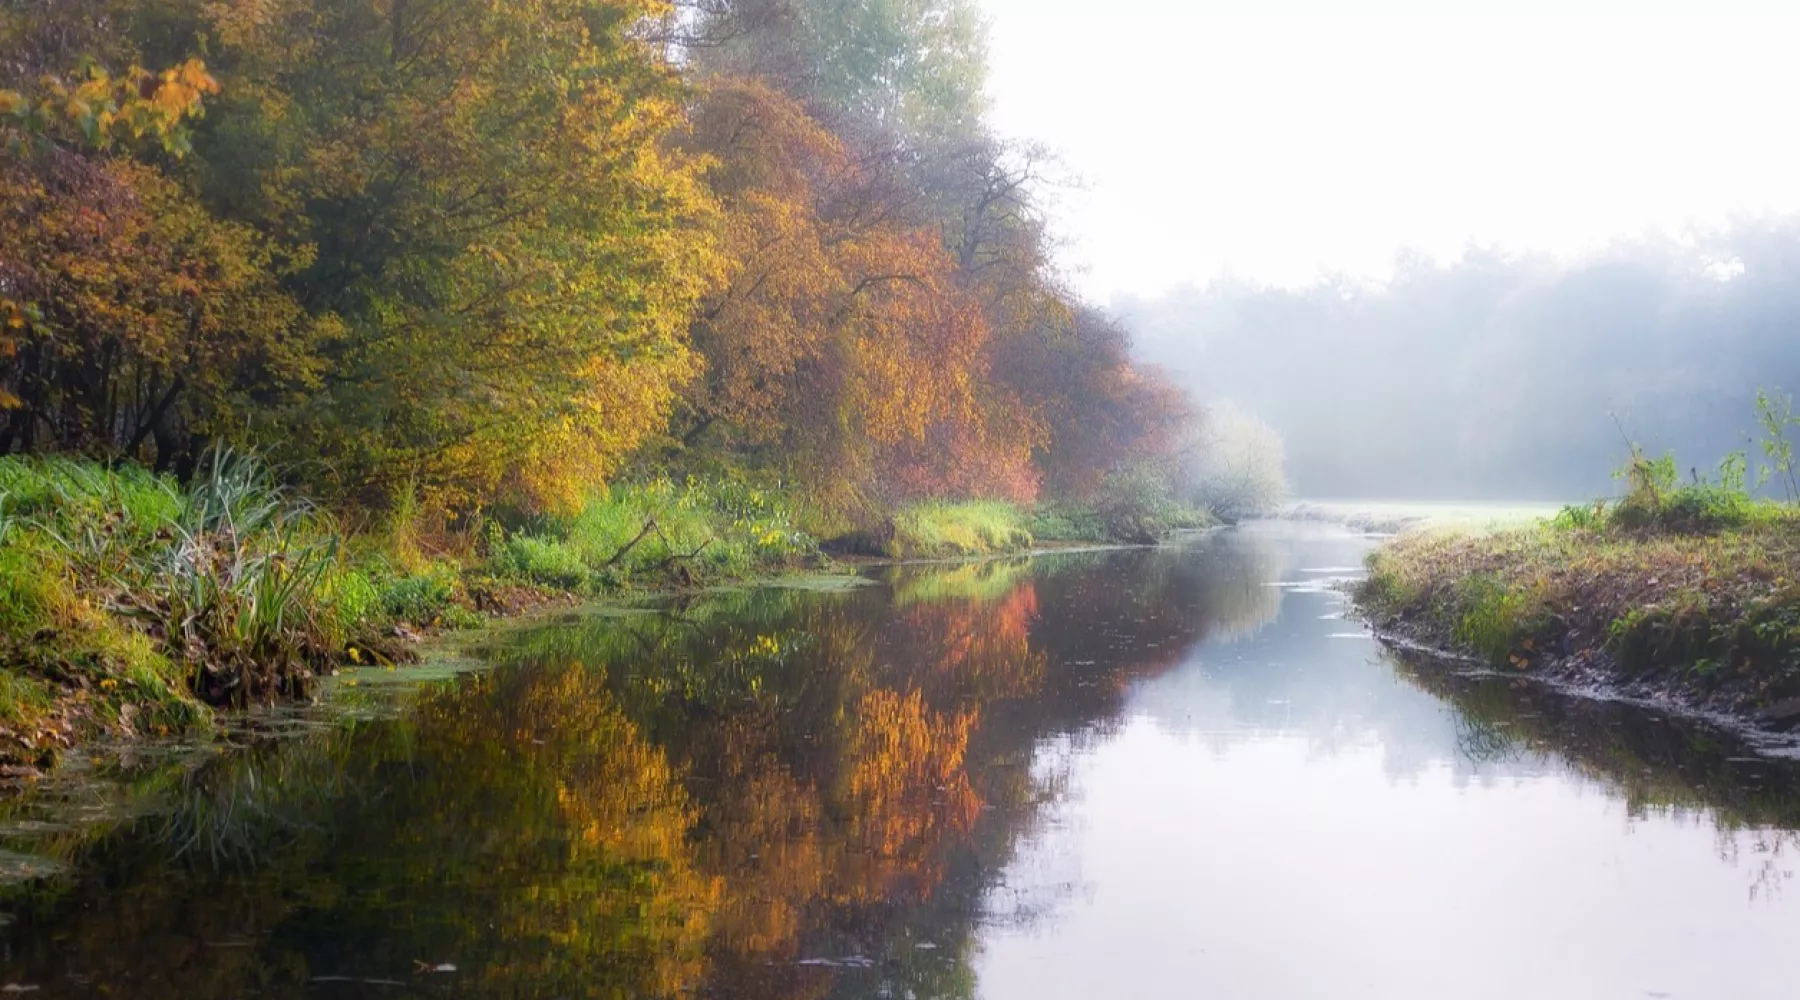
[848, 343]
[130, 315]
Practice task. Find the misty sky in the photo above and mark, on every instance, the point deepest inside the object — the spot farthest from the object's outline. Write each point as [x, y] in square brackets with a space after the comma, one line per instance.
[1265, 139]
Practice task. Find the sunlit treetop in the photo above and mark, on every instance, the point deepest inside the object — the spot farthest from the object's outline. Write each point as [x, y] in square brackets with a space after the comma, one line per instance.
[98, 109]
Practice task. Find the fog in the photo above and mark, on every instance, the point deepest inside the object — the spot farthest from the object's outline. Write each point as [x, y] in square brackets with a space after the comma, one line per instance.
[1502, 376]
[1283, 139]
[1242, 190]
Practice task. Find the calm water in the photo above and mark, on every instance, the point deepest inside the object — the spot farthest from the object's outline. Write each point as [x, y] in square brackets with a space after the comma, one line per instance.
[1169, 773]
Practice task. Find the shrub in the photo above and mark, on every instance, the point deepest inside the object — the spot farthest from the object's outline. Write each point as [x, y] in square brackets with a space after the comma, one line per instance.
[1656, 500]
[543, 561]
[422, 598]
[1140, 506]
[1237, 469]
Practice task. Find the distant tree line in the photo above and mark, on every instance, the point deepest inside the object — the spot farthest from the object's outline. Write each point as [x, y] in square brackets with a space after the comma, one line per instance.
[1517, 377]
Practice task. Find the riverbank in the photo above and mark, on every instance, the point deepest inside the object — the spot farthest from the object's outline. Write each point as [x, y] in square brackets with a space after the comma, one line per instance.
[131, 605]
[1690, 599]
[1386, 517]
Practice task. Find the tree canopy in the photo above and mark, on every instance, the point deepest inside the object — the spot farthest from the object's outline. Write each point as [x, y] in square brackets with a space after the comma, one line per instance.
[477, 255]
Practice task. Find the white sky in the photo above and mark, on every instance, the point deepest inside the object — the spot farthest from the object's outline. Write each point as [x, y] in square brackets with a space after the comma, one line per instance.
[1268, 140]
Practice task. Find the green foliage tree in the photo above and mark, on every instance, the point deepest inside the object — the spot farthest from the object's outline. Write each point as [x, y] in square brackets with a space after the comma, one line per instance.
[512, 250]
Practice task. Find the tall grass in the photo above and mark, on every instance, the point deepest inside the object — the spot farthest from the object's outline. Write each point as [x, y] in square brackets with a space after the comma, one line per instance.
[160, 599]
[659, 532]
[937, 529]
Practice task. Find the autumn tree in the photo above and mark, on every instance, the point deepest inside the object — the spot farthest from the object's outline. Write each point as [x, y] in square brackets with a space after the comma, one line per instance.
[863, 120]
[847, 337]
[134, 320]
[1105, 414]
[480, 255]
[513, 251]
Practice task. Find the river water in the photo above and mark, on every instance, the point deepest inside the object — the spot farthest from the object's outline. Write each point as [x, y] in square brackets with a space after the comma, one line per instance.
[1171, 773]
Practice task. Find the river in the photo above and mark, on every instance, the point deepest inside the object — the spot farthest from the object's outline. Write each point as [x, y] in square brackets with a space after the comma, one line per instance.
[1170, 772]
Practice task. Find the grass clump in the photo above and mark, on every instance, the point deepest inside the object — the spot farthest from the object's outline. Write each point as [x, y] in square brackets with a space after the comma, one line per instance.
[431, 595]
[1500, 622]
[657, 533]
[128, 601]
[548, 562]
[942, 529]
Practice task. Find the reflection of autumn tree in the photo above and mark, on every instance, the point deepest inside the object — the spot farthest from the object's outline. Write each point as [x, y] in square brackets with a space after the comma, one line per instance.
[695, 800]
[825, 740]
[766, 838]
[980, 652]
[591, 889]
[908, 788]
[518, 826]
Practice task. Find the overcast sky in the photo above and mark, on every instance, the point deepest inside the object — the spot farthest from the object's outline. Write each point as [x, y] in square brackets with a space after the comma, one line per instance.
[1273, 142]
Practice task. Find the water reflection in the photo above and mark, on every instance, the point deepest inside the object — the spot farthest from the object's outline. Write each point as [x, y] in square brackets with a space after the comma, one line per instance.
[979, 780]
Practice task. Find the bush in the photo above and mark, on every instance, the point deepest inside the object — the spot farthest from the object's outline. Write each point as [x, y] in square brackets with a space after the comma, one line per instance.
[1656, 501]
[424, 598]
[1140, 506]
[543, 561]
[1237, 469]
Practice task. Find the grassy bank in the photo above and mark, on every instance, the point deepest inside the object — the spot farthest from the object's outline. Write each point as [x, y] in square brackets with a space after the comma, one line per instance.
[131, 604]
[1129, 512]
[940, 529]
[1685, 593]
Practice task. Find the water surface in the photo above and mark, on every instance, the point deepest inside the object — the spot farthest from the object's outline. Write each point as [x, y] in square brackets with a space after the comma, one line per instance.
[1147, 773]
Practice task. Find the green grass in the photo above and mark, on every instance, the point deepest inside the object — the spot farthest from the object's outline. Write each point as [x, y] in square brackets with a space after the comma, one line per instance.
[943, 529]
[1707, 603]
[1689, 580]
[660, 533]
[1497, 620]
[130, 602]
